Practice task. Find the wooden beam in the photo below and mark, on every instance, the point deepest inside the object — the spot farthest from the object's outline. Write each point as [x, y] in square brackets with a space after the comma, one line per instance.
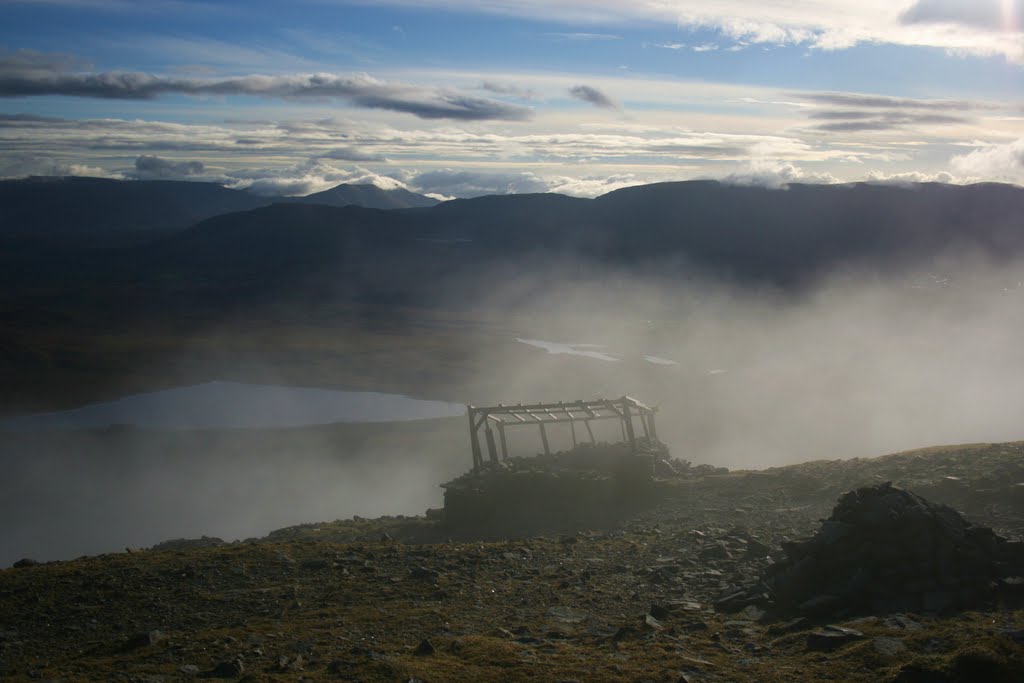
[504, 444]
[628, 422]
[474, 441]
[544, 439]
[492, 450]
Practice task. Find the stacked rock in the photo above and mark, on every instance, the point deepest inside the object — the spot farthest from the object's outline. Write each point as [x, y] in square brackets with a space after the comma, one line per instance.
[888, 550]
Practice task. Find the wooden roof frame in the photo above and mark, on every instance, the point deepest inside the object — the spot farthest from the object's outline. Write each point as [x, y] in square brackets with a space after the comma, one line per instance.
[624, 409]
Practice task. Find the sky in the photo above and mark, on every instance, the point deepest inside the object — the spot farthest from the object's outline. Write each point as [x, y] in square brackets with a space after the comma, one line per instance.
[458, 98]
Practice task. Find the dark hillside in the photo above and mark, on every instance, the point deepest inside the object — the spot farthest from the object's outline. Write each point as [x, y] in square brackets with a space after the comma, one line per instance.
[36, 207]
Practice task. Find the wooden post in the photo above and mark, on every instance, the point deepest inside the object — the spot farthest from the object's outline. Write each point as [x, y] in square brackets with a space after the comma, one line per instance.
[492, 451]
[544, 439]
[572, 428]
[654, 431]
[474, 440]
[504, 444]
[590, 431]
[643, 423]
[627, 420]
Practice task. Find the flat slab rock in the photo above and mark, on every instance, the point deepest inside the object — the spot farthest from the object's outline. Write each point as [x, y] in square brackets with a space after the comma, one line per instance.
[832, 637]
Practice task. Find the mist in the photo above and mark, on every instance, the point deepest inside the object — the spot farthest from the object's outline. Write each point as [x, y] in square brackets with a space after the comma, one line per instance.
[859, 364]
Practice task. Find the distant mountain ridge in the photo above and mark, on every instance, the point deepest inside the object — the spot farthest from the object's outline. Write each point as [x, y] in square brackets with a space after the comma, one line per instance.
[41, 206]
[744, 234]
[674, 229]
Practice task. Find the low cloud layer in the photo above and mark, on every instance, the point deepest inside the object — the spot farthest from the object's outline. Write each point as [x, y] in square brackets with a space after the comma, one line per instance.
[882, 102]
[1002, 162]
[854, 113]
[152, 167]
[351, 154]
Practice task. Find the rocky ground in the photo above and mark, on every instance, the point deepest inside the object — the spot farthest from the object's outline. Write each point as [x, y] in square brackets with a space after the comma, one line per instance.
[667, 594]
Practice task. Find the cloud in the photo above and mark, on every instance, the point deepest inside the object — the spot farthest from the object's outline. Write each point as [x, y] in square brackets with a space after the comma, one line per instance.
[996, 15]
[453, 183]
[450, 183]
[23, 119]
[24, 165]
[862, 121]
[593, 96]
[993, 162]
[774, 174]
[911, 177]
[305, 178]
[583, 36]
[595, 186]
[151, 167]
[993, 28]
[859, 112]
[350, 154]
[509, 89]
[881, 101]
[26, 74]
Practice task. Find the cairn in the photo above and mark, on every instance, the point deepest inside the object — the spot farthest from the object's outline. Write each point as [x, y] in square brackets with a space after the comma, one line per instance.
[888, 550]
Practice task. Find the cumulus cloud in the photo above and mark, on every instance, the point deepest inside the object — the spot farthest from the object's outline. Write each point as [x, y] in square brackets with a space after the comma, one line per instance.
[152, 167]
[775, 174]
[993, 162]
[594, 96]
[26, 74]
[911, 177]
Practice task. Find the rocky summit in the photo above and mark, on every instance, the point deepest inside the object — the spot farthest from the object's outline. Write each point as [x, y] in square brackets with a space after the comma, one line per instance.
[694, 587]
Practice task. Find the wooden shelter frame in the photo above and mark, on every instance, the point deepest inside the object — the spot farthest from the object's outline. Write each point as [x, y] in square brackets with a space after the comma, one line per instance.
[624, 409]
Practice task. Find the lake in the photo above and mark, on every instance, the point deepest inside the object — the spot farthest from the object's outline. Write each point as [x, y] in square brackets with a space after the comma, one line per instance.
[236, 405]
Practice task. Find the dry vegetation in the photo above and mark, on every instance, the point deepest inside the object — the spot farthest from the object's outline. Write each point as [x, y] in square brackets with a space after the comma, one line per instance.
[360, 599]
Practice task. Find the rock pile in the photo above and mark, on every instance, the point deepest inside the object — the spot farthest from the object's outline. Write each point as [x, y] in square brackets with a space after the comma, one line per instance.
[589, 484]
[888, 550]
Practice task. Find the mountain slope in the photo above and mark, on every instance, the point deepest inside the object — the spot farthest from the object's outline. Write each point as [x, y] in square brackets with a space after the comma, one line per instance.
[41, 206]
[747, 232]
[106, 211]
[755, 235]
